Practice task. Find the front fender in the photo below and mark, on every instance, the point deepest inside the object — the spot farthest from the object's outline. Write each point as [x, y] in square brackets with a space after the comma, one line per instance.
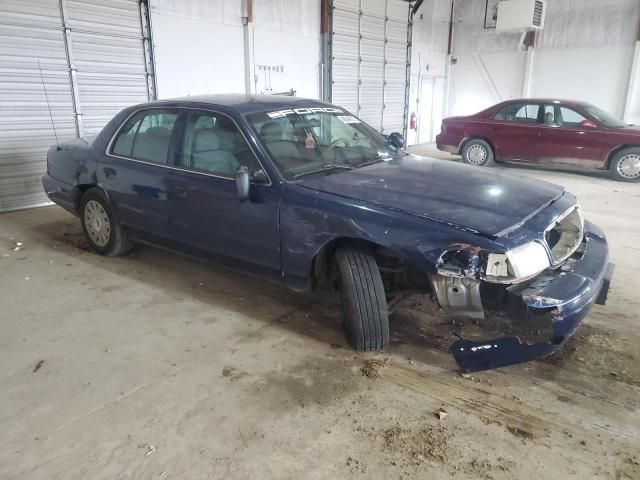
[310, 220]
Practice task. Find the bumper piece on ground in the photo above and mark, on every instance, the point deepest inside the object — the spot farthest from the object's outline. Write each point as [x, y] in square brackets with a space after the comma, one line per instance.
[568, 292]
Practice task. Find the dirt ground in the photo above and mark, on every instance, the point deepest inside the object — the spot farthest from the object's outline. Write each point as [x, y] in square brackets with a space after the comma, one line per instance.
[157, 366]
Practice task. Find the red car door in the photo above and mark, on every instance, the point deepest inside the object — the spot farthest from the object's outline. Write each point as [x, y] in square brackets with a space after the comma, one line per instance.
[515, 131]
[570, 138]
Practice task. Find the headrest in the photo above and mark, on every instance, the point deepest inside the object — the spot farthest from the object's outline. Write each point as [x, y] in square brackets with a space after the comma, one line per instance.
[271, 131]
[158, 131]
[205, 139]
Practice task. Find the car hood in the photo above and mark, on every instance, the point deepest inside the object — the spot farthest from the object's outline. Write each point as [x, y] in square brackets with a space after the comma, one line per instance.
[631, 129]
[479, 199]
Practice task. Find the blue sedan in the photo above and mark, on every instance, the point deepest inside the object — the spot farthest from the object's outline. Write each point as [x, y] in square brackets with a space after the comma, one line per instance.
[303, 192]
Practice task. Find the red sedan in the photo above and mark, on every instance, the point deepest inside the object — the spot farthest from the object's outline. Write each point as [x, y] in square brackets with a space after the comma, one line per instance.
[544, 131]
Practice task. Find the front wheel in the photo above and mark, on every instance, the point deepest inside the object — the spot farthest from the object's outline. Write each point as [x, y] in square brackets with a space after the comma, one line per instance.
[101, 227]
[477, 152]
[625, 165]
[366, 316]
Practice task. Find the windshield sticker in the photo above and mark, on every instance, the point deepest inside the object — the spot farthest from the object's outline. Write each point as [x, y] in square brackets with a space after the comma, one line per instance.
[348, 119]
[309, 142]
[302, 111]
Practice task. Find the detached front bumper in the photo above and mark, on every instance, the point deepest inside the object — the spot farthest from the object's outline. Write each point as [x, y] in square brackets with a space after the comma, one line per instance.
[568, 292]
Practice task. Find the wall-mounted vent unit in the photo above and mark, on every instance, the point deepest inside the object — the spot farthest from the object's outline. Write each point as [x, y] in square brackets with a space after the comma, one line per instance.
[521, 15]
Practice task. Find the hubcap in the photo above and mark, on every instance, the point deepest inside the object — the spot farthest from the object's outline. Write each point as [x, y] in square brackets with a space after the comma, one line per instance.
[476, 155]
[629, 166]
[97, 223]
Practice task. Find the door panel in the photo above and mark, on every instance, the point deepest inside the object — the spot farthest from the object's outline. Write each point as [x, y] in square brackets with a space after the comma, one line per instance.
[139, 193]
[205, 210]
[137, 169]
[564, 141]
[207, 214]
[515, 132]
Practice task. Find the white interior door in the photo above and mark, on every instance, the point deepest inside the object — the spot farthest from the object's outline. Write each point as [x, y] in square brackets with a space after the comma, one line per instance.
[431, 108]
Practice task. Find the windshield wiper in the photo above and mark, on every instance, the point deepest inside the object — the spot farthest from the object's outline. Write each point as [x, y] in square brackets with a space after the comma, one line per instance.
[323, 168]
[373, 160]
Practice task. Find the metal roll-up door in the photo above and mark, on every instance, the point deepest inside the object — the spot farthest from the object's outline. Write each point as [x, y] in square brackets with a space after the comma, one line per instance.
[89, 59]
[369, 41]
[111, 57]
[30, 33]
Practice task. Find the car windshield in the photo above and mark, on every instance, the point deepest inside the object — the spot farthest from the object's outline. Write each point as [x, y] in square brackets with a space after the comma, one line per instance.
[603, 117]
[318, 140]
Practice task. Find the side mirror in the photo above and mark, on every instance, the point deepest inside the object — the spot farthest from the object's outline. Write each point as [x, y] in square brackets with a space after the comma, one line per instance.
[242, 183]
[588, 124]
[396, 139]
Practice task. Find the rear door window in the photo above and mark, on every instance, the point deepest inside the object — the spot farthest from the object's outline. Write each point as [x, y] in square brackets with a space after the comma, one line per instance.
[519, 113]
[146, 136]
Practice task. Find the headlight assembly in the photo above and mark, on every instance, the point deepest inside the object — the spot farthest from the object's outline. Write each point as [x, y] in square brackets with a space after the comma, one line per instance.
[528, 260]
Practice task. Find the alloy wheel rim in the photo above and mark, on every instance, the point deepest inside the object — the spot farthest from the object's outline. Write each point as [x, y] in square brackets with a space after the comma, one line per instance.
[629, 166]
[477, 154]
[97, 223]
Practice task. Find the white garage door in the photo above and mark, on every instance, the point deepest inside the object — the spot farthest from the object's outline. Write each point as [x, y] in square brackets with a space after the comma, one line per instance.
[369, 60]
[88, 58]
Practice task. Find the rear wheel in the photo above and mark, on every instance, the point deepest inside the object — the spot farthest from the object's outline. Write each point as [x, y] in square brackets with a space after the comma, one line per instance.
[366, 317]
[477, 152]
[625, 165]
[101, 227]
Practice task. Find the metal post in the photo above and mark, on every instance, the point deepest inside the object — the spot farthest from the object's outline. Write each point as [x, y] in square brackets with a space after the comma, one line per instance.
[73, 74]
[449, 61]
[148, 51]
[633, 88]
[528, 72]
[325, 51]
[247, 28]
[405, 127]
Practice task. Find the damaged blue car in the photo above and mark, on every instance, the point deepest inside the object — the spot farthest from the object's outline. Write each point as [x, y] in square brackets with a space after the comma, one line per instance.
[304, 193]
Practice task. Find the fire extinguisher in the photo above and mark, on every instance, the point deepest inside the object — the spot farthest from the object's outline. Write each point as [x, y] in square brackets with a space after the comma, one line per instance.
[412, 121]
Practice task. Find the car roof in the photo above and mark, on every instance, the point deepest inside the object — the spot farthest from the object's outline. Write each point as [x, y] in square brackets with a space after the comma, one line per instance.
[544, 100]
[242, 103]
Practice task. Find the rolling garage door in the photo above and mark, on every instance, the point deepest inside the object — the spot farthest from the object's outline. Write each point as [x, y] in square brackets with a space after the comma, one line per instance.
[71, 64]
[369, 42]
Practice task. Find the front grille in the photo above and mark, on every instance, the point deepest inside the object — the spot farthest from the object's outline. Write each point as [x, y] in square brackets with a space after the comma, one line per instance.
[537, 14]
[565, 235]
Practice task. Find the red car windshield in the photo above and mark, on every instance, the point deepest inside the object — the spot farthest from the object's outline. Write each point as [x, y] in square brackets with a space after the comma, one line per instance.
[603, 117]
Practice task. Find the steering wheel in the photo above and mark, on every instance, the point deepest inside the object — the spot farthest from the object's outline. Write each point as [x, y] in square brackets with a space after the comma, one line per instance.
[336, 142]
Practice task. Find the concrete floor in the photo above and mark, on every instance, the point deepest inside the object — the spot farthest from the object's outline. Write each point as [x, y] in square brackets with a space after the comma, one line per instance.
[157, 366]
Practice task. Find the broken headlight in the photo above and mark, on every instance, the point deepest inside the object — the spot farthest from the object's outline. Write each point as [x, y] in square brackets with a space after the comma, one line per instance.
[528, 260]
[516, 265]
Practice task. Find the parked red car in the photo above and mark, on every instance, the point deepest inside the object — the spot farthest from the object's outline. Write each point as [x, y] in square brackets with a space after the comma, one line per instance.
[545, 131]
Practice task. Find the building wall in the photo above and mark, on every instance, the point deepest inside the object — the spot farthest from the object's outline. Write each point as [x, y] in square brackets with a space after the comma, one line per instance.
[584, 53]
[199, 46]
[287, 34]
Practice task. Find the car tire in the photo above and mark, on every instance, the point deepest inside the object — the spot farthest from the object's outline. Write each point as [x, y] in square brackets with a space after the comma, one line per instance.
[477, 152]
[625, 165]
[364, 304]
[100, 225]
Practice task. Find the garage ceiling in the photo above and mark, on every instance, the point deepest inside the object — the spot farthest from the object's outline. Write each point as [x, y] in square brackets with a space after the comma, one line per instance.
[89, 58]
[369, 44]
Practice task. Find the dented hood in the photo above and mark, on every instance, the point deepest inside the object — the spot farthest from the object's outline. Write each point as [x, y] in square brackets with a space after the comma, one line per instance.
[480, 199]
